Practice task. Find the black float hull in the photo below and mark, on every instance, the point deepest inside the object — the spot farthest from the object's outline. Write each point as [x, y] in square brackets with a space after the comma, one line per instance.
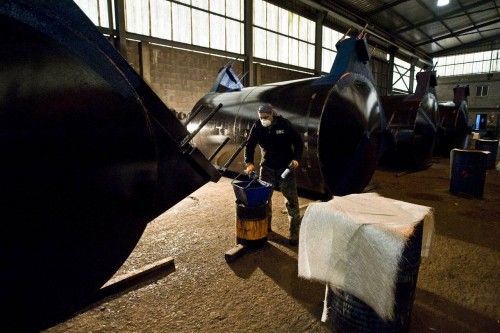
[90, 155]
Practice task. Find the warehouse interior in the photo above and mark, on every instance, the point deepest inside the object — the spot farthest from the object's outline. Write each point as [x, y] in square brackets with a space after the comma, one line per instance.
[124, 128]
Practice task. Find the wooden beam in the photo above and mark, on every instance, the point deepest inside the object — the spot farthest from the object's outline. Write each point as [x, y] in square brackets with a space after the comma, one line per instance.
[137, 278]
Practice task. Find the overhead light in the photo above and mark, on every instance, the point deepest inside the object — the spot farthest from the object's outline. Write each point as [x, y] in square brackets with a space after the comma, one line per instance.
[442, 3]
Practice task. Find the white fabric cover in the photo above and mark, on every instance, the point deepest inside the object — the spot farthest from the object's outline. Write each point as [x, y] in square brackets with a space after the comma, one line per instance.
[354, 243]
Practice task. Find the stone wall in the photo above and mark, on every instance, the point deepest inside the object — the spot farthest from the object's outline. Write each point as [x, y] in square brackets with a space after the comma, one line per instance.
[489, 104]
[181, 77]
[269, 74]
[492, 80]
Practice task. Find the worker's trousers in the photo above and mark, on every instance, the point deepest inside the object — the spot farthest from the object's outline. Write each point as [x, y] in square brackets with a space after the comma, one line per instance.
[288, 187]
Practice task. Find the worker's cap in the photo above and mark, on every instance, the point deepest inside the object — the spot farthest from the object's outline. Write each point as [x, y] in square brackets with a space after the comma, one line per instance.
[266, 108]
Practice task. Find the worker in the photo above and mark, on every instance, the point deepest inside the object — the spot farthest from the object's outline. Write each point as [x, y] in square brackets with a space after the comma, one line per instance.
[281, 147]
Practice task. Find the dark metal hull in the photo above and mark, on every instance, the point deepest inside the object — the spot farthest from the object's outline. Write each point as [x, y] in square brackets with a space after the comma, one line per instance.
[453, 127]
[341, 122]
[411, 127]
[90, 155]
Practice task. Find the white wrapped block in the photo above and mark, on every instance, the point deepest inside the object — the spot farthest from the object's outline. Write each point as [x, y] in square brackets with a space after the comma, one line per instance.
[354, 243]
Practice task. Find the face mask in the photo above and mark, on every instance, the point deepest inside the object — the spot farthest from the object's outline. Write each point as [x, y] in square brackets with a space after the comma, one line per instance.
[265, 122]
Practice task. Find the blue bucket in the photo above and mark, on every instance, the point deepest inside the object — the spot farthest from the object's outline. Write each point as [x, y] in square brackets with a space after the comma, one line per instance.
[253, 192]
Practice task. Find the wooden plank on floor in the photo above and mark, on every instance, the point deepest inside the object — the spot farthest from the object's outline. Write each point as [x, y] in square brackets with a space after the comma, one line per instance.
[235, 252]
[137, 278]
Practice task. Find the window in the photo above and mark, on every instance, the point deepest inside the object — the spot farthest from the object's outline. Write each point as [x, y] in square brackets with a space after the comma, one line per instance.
[216, 24]
[480, 123]
[282, 36]
[96, 10]
[482, 91]
[401, 75]
[417, 70]
[469, 63]
[329, 52]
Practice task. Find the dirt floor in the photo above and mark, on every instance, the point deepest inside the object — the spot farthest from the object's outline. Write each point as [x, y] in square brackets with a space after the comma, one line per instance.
[457, 291]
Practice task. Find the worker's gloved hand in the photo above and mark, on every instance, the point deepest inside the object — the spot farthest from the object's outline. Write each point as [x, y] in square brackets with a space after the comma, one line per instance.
[294, 164]
[250, 168]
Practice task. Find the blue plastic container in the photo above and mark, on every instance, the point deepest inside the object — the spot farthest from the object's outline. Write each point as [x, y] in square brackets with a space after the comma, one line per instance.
[252, 193]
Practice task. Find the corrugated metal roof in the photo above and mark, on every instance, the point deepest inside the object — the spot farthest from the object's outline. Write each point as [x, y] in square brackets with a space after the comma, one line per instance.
[459, 22]
[432, 47]
[364, 6]
[467, 38]
[412, 11]
[389, 20]
[492, 30]
[434, 29]
[421, 25]
[450, 42]
[414, 35]
[484, 15]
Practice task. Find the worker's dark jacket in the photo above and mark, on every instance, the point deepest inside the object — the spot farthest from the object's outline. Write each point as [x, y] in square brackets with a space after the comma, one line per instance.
[280, 143]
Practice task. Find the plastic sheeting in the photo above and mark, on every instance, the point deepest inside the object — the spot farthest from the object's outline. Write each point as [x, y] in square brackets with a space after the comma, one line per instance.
[355, 242]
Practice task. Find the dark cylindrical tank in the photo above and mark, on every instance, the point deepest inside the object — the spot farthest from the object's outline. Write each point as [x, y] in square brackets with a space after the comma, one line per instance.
[411, 125]
[452, 127]
[90, 155]
[338, 115]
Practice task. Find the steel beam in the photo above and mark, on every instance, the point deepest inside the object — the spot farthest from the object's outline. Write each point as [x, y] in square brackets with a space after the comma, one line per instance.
[459, 32]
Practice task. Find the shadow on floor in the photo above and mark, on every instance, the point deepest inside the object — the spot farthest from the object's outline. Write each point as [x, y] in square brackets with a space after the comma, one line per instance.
[432, 313]
[459, 217]
[282, 269]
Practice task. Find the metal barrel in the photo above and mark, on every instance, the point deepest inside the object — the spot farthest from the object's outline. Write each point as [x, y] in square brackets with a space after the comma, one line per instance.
[347, 313]
[490, 145]
[339, 116]
[251, 224]
[90, 155]
[468, 171]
